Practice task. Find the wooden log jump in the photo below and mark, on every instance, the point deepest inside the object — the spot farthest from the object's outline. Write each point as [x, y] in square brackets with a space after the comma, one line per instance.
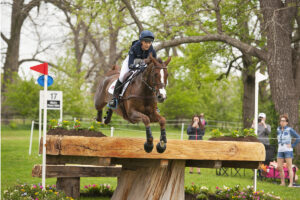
[152, 175]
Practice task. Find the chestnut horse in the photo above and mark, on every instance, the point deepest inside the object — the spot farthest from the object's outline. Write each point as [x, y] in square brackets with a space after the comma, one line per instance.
[139, 102]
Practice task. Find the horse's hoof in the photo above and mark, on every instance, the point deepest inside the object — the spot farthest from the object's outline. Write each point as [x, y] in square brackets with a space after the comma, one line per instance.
[161, 147]
[148, 147]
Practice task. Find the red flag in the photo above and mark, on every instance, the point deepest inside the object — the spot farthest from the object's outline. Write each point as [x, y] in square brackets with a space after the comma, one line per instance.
[42, 68]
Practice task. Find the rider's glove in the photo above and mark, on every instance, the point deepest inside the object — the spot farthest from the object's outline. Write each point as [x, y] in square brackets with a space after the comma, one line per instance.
[133, 66]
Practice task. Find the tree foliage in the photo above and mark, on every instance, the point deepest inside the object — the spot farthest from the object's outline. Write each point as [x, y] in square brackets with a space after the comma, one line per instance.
[193, 88]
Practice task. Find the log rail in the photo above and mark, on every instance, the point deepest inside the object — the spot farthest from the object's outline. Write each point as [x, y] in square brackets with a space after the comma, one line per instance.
[142, 175]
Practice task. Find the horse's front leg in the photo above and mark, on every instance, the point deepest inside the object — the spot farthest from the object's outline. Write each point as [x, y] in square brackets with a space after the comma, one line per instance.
[162, 145]
[136, 116]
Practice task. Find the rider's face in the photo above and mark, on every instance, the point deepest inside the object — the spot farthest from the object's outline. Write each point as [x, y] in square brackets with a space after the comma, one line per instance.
[145, 45]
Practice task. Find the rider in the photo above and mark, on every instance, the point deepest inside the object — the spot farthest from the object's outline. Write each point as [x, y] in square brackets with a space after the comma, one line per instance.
[140, 49]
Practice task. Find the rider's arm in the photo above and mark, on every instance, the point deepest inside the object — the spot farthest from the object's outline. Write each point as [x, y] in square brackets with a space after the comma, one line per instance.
[153, 52]
[131, 57]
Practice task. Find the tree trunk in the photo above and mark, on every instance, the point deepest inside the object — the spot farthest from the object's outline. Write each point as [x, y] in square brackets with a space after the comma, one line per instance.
[278, 19]
[11, 64]
[248, 76]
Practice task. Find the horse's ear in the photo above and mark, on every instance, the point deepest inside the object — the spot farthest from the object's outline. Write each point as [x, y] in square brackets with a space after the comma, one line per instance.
[167, 61]
[154, 60]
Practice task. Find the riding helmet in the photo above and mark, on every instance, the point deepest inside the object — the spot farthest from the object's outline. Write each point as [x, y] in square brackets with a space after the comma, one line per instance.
[147, 36]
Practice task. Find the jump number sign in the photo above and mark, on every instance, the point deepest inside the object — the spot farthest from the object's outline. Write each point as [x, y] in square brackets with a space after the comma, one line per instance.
[54, 100]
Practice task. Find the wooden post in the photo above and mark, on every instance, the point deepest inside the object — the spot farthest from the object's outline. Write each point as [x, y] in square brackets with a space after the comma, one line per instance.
[70, 185]
[153, 182]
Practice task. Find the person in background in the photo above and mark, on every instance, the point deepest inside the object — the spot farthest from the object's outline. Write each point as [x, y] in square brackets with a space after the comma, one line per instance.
[285, 148]
[203, 122]
[195, 132]
[263, 132]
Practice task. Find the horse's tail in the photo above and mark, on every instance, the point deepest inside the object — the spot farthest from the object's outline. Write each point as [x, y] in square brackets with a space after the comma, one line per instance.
[115, 69]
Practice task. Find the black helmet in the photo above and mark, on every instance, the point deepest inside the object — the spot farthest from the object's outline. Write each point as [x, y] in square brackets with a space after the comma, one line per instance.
[147, 36]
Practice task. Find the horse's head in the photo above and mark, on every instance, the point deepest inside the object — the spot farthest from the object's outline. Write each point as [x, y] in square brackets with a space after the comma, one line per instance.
[156, 76]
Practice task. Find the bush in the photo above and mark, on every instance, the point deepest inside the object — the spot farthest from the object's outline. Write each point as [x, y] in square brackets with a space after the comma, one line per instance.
[33, 192]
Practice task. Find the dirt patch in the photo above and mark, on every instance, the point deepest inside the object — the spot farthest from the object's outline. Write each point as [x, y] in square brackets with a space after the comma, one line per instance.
[73, 132]
[240, 139]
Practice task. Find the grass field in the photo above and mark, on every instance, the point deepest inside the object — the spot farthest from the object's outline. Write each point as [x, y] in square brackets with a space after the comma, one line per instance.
[16, 165]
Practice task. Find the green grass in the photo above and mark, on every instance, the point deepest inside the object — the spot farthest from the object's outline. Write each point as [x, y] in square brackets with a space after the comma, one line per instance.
[16, 165]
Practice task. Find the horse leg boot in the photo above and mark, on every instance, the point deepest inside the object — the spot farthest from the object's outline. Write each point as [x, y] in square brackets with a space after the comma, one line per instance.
[162, 145]
[107, 118]
[117, 90]
[148, 146]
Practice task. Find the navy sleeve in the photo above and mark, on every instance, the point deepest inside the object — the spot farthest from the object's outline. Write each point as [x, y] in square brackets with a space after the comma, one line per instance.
[295, 135]
[154, 53]
[131, 56]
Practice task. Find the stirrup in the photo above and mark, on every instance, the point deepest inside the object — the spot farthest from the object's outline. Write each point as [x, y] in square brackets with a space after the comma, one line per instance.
[115, 104]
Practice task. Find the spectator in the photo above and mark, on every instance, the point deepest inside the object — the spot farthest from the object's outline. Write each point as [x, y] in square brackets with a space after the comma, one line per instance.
[285, 148]
[263, 132]
[195, 132]
[203, 122]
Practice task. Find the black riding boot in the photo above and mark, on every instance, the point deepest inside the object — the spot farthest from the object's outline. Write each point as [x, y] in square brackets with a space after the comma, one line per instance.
[118, 88]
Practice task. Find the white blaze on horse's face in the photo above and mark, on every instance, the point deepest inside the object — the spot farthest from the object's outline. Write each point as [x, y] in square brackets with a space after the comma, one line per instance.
[163, 91]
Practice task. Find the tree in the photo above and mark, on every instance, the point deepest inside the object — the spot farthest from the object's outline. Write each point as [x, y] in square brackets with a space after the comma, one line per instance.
[280, 25]
[20, 11]
[193, 88]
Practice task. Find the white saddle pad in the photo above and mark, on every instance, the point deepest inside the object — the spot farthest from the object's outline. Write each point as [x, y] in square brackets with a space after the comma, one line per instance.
[112, 86]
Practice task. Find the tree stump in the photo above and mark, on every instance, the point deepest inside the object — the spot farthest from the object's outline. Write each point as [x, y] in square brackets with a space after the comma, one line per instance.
[151, 182]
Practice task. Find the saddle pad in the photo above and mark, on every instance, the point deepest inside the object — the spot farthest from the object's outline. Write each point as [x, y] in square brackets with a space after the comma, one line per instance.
[112, 86]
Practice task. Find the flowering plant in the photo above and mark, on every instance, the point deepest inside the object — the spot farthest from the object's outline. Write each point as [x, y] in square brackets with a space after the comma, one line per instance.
[65, 124]
[249, 132]
[34, 192]
[76, 124]
[243, 194]
[193, 189]
[53, 124]
[216, 133]
[95, 126]
[98, 190]
[235, 133]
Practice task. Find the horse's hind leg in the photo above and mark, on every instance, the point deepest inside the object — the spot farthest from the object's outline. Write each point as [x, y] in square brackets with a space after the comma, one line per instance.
[99, 116]
[138, 116]
[99, 109]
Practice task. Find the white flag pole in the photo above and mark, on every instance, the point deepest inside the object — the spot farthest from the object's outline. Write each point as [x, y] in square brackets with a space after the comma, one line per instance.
[258, 78]
[31, 134]
[44, 132]
[182, 129]
[40, 124]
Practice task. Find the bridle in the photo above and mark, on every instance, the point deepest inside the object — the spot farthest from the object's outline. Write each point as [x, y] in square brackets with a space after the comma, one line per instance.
[153, 84]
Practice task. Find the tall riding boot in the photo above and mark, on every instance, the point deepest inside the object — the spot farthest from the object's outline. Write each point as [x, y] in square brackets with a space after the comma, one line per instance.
[118, 88]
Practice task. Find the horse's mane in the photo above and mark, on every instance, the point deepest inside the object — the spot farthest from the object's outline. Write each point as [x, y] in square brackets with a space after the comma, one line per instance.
[114, 70]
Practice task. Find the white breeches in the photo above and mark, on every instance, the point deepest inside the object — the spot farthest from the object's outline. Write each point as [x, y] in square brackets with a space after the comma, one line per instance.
[124, 69]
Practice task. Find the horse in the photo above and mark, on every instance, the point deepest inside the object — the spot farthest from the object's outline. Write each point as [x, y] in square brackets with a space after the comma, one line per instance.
[139, 101]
